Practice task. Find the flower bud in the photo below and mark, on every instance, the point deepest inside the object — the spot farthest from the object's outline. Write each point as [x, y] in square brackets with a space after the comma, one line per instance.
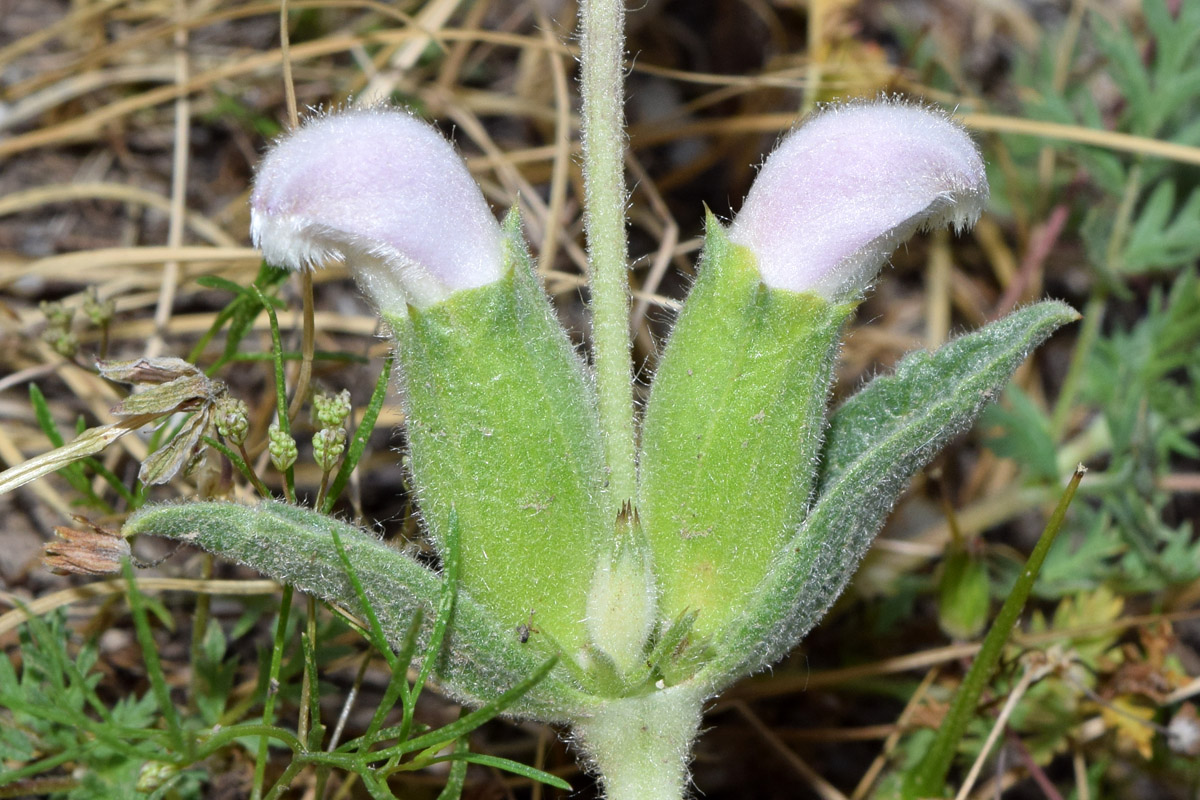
[331, 410]
[232, 418]
[845, 189]
[385, 193]
[282, 448]
[328, 445]
[621, 602]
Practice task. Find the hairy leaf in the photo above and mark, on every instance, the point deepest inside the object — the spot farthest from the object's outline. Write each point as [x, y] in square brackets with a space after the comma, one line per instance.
[875, 443]
[295, 545]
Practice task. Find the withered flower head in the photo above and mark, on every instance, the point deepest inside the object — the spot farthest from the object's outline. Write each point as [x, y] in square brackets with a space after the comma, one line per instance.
[92, 551]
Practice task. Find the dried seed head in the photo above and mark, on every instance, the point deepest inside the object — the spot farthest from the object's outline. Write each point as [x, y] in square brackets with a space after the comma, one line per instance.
[90, 551]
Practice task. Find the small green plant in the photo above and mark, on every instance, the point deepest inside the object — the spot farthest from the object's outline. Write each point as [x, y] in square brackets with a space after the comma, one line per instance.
[636, 577]
[598, 569]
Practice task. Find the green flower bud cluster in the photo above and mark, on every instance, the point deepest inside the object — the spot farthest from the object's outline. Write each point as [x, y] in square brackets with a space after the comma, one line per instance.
[58, 333]
[282, 447]
[329, 442]
[331, 411]
[99, 312]
[328, 445]
[232, 419]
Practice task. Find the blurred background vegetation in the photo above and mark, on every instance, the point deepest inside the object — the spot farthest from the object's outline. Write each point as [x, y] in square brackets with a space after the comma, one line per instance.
[129, 130]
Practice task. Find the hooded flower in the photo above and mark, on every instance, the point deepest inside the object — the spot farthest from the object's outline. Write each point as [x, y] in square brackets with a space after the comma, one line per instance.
[385, 193]
[842, 191]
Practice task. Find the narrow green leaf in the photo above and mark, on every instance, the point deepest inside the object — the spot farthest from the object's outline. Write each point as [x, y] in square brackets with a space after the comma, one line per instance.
[510, 700]
[240, 313]
[458, 772]
[73, 472]
[277, 357]
[876, 442]
[508, 765]
[295, 545]
[158, 680]
[272, 688]
[374, 629]
[112, 480]
[451, 562]
[929, 776]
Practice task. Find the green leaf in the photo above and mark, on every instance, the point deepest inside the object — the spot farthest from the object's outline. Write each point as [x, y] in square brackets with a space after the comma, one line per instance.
[1024, 436]
[876, 442]
[963, 593]
[1164, 235]
[241, 311]
[508, 765]
[458, 773]
[482, 656]
[928, 777]
[73, 471]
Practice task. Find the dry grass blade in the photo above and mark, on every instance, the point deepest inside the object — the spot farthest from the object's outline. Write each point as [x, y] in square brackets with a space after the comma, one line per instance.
[88, 443]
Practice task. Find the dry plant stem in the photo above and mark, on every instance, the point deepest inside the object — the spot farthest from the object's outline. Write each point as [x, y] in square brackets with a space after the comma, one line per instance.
[307, 345]
[166, 297]
[817, 10]
[867, 782]
[289, 87]
[824, 789]
[306, 280]
[602, 47]
[104, 589]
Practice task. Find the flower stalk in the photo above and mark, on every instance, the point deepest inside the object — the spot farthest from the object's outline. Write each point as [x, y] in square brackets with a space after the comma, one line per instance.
[602, 34]
[641, 746]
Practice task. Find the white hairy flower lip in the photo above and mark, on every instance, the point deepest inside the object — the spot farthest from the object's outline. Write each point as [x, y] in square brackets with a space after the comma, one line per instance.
[848, 186]
[384, 193]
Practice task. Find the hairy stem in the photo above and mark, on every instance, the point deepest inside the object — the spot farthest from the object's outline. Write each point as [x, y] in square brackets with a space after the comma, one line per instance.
[640, 746]
[602, 49]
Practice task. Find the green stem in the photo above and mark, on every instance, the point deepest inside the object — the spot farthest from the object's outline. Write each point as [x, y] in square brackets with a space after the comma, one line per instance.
[154, 671]
[602, 44]
[929, 776]
[272, 689]
[640, 746]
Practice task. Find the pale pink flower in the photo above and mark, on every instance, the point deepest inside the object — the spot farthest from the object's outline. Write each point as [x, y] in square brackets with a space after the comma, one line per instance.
[841, 192]
[386, 194]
